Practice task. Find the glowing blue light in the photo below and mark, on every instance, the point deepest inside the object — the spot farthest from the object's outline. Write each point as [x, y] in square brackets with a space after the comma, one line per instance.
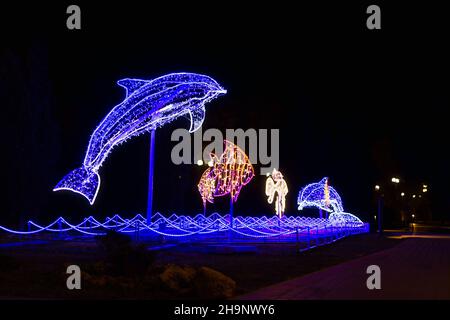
[322, 196]
[315, 195]
[288, 227]
[148, 104]
[344, 218]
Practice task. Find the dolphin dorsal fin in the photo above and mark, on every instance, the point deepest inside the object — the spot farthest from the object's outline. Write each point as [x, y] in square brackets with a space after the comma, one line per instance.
[197, 117]
[131, 85]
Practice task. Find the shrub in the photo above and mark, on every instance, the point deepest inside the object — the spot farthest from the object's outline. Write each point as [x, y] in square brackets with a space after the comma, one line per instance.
[213, 284]
[202, 283]
[178, 278]
[107, 281]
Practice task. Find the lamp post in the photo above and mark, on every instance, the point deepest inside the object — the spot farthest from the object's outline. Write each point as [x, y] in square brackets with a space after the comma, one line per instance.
[380, 214]
[151, 169]
[397, 200]
[394, 180]
[379, 210]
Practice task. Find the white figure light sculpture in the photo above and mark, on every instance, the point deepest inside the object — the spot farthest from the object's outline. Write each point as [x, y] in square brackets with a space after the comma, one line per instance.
[276, 187]
[148, 104]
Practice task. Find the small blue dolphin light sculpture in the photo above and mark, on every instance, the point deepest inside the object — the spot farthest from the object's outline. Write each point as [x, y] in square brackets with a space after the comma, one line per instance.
[322, 196]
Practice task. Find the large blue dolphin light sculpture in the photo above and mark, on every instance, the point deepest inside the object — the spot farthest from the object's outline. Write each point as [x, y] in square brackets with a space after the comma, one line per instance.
[148, 104]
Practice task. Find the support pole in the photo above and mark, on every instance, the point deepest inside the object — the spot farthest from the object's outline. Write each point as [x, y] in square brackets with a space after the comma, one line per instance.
[230, 231]
[231, 211]
[151, 167]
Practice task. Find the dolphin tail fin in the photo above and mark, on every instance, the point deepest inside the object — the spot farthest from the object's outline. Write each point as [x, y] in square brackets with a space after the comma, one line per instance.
[197, 117]
[83, 181]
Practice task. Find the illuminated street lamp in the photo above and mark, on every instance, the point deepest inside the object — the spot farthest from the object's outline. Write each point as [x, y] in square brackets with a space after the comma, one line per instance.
[414, 195]
[379, 216]
[395, 180]
[200, 162]
[402, 194]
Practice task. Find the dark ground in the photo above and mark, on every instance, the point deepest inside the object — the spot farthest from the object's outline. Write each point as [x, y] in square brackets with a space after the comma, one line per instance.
[38, 270]
[416, 269]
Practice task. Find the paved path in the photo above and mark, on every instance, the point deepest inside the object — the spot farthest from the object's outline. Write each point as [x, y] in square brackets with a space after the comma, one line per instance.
[418, 268]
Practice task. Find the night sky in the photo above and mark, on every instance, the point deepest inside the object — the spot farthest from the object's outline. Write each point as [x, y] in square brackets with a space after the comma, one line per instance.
[355, 105]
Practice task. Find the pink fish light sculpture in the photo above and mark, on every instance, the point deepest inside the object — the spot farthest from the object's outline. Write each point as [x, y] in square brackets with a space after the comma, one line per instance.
[228, 174]
[207, 186]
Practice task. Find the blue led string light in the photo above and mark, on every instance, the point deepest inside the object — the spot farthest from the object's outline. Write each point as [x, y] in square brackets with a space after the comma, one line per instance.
[184, 226]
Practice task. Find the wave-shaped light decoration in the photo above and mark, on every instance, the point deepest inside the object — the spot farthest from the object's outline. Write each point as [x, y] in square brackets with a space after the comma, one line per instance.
[288, 228]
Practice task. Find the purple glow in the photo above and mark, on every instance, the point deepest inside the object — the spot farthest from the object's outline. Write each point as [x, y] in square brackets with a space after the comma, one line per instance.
[185, 226]
[147, 106]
